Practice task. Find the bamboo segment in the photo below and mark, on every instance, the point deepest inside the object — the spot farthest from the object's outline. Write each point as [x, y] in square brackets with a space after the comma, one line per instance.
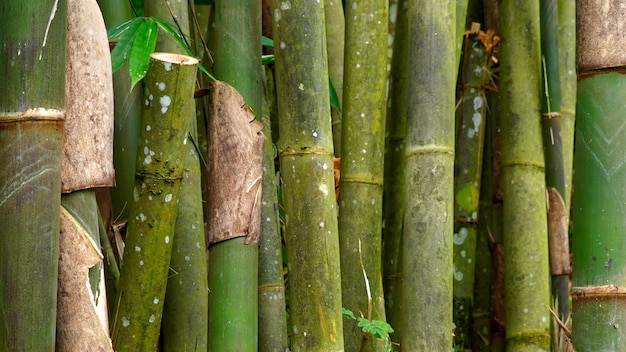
[361, 182]
[525, 228]
[306, 159]
[32, 104]
[169, 90]
[598, 277]
[88, 148]
[468, 166]
[272, 319]
[428, 211]
[185, 314]
[394, 184]
[235, 42]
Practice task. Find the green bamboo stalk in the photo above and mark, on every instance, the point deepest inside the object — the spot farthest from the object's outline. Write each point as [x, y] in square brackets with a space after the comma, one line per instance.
[145, 269]
[468, 166]
[306, 160]
[525, 238]
[127, 114]
[32, 106]
[461, 16]
[185, 311]
[363, 140]
[272, 318]
[335, 41]
[597, 279]
[394, 184]
[428, 212]
[235, 41]
[598, 269]
[481, 308]
[555, 175]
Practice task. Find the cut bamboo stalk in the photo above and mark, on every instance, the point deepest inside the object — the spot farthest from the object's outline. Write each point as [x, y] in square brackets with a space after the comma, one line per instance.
[165, 124]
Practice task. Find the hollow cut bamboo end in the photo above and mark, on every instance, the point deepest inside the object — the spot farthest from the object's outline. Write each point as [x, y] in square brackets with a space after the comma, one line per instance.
[177, 59]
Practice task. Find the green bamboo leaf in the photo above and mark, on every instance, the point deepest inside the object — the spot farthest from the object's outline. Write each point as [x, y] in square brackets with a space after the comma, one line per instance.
[173, 31]
[267, 59]
[267, 42]
[121, 52]
[117, 31]
[348, 313]
[334, 98]
[143, 46]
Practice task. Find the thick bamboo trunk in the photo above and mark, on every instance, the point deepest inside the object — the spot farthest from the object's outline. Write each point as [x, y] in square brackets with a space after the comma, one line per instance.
[526, 262]
[32, 106]
[598, 295]
[363, 142]
[306, 159]
[428, 211]
[235, 35]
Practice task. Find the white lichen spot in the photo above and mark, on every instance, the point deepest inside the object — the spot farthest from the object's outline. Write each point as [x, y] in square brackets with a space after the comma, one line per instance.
[142, 217]
[478, 102]
[324, 189]
[152, 318]
[314, 134]
[165, 103]
[149, 197]
[125, 322]
[155, 300]
[135, 194]
[168, 66]
[362, 114]
[147, 102]
[373, 201]
[282, 45]
[148, 127]
[458, 276]
[364, 151]
[141, 263]
[544, 319]
[187, 258]
[358, 65]
[525, 310]
[325, 166]
[168, 198]
[137, 249]
[459, 238]
[277, 15]
[161, 86]
[354, 5]
[268, 219]
[167, 239]
[463, 254]
[197, 244]
[295, 329]
[301, 86]
[285, 5]
[322, 224]
[147, 160]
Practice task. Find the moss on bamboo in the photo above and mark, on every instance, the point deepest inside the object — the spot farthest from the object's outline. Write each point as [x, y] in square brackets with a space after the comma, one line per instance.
[525, 225]
[145, 268]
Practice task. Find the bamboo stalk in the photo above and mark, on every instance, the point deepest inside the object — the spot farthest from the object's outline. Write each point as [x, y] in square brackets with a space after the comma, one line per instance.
[471, 120]
[272, 318]
[335, 39]
[363, 140]
[235, 37]
[526, 262]
[428, 212]
[32, 104]
[145, 269]
[598, 303]
[394, 185]
[306, 160]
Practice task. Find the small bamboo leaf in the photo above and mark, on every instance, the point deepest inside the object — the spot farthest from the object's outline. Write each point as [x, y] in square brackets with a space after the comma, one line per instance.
[334, 98]
[173, 31]
[117, 31]
[267, 59]
[267, 42]
[121, 52]
[348, 313]
[143, 46]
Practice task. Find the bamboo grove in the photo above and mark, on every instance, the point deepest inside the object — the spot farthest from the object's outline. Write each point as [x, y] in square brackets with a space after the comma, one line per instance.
[288, 175]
